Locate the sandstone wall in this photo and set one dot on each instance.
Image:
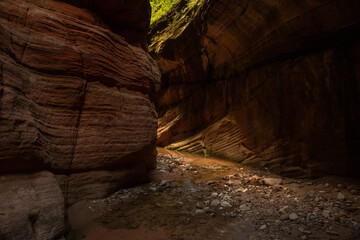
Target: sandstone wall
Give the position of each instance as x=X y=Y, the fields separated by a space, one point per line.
x=75 y=99
x=269 y=83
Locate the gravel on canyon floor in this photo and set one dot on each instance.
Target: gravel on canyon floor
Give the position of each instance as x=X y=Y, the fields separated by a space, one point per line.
x=193 y=197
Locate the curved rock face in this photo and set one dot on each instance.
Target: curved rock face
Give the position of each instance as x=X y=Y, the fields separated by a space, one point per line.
x=75 y=99
x=269 y=83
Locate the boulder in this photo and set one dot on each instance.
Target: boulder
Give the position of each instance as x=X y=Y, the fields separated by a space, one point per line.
x=76 y=99
x=32 y=207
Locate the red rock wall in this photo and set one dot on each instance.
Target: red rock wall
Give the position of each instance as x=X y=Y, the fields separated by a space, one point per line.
x=269 y=83
x=75 y=99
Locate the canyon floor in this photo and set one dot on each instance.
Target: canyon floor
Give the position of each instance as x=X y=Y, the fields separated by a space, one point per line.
x=193 y=197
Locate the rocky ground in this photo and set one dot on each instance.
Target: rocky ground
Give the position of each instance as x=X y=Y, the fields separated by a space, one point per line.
x=193 y=197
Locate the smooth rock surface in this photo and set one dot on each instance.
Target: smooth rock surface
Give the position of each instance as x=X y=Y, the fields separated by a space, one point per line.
x=32 y=207
x=268 y=83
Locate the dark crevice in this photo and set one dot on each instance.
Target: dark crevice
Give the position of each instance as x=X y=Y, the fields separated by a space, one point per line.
x=2 y=84
x=78 y=121
x=32 y=220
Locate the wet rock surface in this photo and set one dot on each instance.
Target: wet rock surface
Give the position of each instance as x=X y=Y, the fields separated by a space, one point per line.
x=191 y=197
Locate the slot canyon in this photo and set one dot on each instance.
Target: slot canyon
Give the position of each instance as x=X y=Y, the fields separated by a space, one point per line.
x=179 y=119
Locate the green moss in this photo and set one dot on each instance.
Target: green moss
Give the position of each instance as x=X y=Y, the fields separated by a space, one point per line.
x=161 y=7
x=169 y=19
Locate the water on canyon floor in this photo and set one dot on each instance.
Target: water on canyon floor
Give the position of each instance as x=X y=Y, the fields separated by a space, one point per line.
x=193 y=197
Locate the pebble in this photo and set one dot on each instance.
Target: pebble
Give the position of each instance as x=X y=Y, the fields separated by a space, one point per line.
x=215 y=203
x=165 y=183
x=284 y=209
x=214 y=194
x=263 y=227
x=245 y=207
x=232 y=215
x=199 y=211
x=225 y=204
x=273 y=181
x=303 y=230
x=254 y=179
x=199 y=205
x=241 y=190
x=341 y=196
x=226 y=197
x=293 y=216
x=325 y=214
x=188 y=167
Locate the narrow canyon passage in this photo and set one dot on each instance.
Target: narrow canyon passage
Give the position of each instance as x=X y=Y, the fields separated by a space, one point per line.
x=193 y=197
x=179 y=119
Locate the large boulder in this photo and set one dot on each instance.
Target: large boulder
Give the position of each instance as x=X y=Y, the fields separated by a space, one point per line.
x=269 y=83
x=76 y=99
x=32 y=207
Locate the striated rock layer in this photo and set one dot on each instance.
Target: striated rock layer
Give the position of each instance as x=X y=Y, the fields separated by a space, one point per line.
x=268 y=83
x=75 y=99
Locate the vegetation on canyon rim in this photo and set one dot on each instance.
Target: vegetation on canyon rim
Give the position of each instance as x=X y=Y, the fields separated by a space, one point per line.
x=169 y=19
x=160 y=7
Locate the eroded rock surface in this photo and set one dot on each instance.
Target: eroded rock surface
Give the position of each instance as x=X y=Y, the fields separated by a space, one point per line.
x=32 y=207
x=269 y=83
x=75 y=99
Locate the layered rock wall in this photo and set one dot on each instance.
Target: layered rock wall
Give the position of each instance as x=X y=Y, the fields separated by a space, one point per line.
x=75 y=99
x=269 y=83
